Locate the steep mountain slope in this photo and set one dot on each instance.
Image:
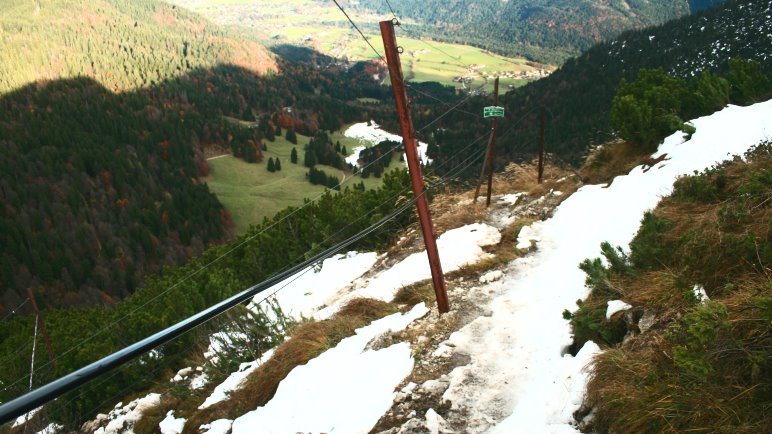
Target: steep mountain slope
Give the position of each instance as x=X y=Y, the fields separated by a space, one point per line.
x=578 y=96
x=542 y=30
x=100 y=174
x=120 y=44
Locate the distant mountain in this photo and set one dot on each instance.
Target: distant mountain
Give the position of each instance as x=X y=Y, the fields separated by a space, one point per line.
x=544 y=30
x=578 y=95
x=121 y=44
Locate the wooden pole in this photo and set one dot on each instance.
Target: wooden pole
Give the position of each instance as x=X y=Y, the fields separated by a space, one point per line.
x=489 y=153
x=484 y=167
x=541 y=147
x=492 y=156
x=411 y=155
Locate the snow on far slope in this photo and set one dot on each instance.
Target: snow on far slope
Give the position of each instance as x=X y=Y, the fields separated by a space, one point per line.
x=345 y=390
x=519 y=380
x=374 y=134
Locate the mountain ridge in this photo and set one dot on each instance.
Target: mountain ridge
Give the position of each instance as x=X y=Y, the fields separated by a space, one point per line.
x=123 y=45
x=542 y=30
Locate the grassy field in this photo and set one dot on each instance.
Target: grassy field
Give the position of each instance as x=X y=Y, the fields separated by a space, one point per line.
x=321 y=26
x=250 y=192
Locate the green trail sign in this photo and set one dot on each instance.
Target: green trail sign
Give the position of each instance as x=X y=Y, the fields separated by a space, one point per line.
x=493 y=112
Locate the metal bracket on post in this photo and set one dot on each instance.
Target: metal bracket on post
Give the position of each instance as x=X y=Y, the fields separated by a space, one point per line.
x=414 y=166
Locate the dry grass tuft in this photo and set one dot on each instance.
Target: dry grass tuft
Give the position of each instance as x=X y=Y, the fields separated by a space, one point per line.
x=414 y=294
x=611 y=160
x=307 y=341
x=453 y=210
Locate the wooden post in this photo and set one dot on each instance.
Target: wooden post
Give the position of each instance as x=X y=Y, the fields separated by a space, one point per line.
x=411 y=155
x=484 y=167
x=49 y=347
x=490 y=153
x=541 y=147
x=492 y=156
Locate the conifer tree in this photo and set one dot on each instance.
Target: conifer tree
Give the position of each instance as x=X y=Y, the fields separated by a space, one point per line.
x=291 y=137
x=309 y=160
x=294 y=155
x=277 y=166
x=271 y=165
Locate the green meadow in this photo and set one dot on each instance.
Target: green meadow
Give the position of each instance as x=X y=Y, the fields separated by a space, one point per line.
x=251 y=193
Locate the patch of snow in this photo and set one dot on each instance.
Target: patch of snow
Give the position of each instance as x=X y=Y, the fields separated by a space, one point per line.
x=434 y=422
x=458 y=247
x=52 y=428
x=303 y=293
x=220 y=426
x=199 y=381
x=491 y=276
x=123 y=418
x=527 y=234
x=353 y=159
x=374 y=134
x=219 y=340
x=517 y=380
x=346 y=389
x=615 y=306
x=700 y=294
x=171 y=425
x=233 y=382
x=21 y=420
x=150 y=357
x=511 y=199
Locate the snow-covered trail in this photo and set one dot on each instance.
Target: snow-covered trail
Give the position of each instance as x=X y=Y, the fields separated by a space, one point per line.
x=519 y=380
x=516 y=377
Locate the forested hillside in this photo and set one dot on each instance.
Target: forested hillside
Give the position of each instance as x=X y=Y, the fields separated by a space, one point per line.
x=548 y=31
x=102 y=186
x=81 y=336
x=578 y=96
x=121 y=44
